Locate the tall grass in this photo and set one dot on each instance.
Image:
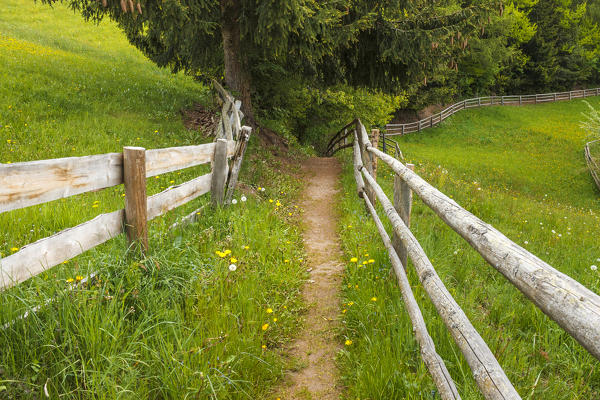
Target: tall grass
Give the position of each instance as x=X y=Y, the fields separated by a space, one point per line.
x=522 y=170
x=180 y=322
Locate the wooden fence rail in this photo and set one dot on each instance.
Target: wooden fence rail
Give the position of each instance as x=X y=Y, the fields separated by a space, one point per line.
x=514 y=100
x=591 y=161
x=574 y=307
x=31 y=183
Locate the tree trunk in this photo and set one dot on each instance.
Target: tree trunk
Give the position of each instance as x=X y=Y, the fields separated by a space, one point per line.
x=237 y=74
x=236 y=70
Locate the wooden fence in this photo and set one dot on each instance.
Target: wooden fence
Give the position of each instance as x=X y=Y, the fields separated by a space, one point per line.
x=591 y=160
x=402 y=129
x=574 y=307
x=30 y=183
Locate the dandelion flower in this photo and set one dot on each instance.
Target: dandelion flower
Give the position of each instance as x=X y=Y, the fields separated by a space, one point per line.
x=269 y=310
x=259 y=189
x=246 y=247
x=70 y=280
x=232 y=267
x=354 y=259
x=373 y=298
x=593 y=267
x=227 y=251
x=220 y=254
x=365 y=262
x=270 y=200
x=344 y=311
x=286 y=261
x=264 y=346
x=350 y=303
x=13 y=249
x=348 y=342
x=278 y=203
x=233 y=259
x=371 y=261
x=243 y=198
x=275 y=319
x=234 y=201
x=265 y=327
x=79 y=278
x=94 y=205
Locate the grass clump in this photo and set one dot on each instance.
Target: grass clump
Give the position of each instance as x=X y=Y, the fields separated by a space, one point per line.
x=520 y=169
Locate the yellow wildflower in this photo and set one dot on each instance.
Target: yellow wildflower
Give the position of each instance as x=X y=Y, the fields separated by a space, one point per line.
x=348 y=342
x=70 y=280
x=365 y=262
x=373 y=298
x=269 y=310
x=79 y=278
x=354 y=259
x=344 y=311
x=286 y=261
x=264 y=346
x=371 y=261
x=275 y=319
x=233 y=259
x=246 y=247
x=270 y=200
x=227 y=251
x=265 y=327
x=278 y=203
x=350 y=303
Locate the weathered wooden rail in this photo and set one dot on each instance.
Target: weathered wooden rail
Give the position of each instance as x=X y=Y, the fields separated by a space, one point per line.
x=30 y=183
x=591 y=161
x=513 y=100
x=574 y=307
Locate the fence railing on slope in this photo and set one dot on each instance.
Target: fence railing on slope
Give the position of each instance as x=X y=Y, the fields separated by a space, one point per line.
x=344 y=139
x=592 y=164
x=31 y=183
x=574 y=307
x=514 y=100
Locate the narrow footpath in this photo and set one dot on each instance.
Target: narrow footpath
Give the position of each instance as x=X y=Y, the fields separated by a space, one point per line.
x=316 y=347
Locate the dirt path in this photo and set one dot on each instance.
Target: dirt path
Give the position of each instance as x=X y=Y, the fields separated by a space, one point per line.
x=316 y=346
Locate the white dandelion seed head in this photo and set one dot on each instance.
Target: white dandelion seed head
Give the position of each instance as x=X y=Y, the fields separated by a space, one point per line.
x=243 y=198
x=232 y=267
x=262 y=189
x=526 y=242
x=234 y=201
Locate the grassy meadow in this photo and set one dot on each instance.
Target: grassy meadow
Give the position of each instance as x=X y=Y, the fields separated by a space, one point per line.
x=523 y=171
x=180 y=322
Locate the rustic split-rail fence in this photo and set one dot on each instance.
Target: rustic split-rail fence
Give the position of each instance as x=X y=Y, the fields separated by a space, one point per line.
x=591 y=160
x=512 y=100
x=573 y=306
x=26 y=184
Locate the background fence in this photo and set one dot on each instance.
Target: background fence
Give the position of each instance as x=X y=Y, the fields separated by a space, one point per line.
x=574 y=307
x=592 y=151
x=402 y=129
x=30 y=183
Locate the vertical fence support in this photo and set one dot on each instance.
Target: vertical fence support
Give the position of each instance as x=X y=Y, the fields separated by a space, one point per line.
x=554 y=96
x=570 y=95
x=375 y=143
x=403 y=205
x=236 y=165
x=520 y=100
x=136 y=202
x=219 y=173
x=403 y=129
x=502 y=100
x=384 y=144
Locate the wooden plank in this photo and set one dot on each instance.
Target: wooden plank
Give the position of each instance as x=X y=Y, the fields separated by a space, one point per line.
x=360 y=184
x=161 y=161
x=178 y=195
x=434 y=363
x=573 y=306
x=134 y=176
x=367 y=159
x=46 y=253
x=219 y=172
x=237 y=163
x=488 y=374
x=29 y=183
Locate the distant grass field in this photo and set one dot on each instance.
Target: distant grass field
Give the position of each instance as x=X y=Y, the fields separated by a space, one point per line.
x=523 y=171
x=177 y=323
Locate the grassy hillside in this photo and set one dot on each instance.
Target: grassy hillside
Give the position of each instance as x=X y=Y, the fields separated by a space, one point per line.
x=177 y=323
x=523 y=171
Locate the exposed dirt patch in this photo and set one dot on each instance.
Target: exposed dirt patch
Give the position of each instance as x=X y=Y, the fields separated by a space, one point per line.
x=316 y=346
x=200 y=118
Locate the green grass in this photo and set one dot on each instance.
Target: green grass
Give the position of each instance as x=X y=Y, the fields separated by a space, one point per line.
x=172 y=325
x=523 y=171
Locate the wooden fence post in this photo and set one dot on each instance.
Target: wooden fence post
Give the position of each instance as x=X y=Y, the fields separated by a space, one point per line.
x=403 y=129
x=237 y=162
x=403 y=205
x=136 y=202
x=520 y=100
x=219 y=173
x=375 y=143
x=570 y=95
x=384 y=144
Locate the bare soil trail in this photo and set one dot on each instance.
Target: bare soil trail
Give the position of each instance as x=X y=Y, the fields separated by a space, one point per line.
x=316 y=346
